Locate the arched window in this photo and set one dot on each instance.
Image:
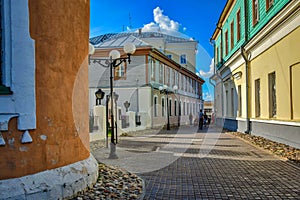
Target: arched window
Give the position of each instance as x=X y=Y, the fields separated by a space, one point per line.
x=155 y=106
x=163 y=107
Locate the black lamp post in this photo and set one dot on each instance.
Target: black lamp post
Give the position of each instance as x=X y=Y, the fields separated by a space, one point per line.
x=175 y=88
x=113 y=61
x=99 y=96
x=164 y=90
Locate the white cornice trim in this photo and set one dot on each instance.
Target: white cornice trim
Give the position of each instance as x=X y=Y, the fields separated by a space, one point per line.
x=289 y=123
x=281 y=25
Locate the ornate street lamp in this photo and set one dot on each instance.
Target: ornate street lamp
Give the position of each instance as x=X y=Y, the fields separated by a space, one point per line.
x=99 y=96
x=113 y=61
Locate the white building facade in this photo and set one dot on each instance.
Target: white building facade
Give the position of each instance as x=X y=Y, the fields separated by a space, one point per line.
x=151 y=67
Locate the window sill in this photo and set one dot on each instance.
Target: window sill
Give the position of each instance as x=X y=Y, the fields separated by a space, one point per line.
x=5 y=90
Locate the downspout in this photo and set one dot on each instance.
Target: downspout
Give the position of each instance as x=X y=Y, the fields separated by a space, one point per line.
x=212 y=42
x=246 y=58
x=222 y=97
x=219 y=76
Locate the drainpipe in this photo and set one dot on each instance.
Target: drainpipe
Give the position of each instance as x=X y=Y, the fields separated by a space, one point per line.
x=246 y=57
x=212 y=42
x=222 y=96
x=219 y=76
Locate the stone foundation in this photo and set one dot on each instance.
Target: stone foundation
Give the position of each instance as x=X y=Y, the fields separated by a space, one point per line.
x=56 y=184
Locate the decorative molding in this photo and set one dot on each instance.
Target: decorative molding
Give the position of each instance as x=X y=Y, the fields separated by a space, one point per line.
x=268 y=121
x=19 y=66
x=4 y=120
x=59 y=183
x=280 y=26
x=26 y=137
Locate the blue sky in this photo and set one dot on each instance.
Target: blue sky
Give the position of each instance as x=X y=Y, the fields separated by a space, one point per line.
x=195 y=18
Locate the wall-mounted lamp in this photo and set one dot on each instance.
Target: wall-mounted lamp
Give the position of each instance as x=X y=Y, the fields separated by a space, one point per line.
x=237 y=75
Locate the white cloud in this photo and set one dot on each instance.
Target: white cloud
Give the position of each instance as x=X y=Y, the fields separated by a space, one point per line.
x=210 y=72
x=207 y=96
x=164 y=24
x=164 y=21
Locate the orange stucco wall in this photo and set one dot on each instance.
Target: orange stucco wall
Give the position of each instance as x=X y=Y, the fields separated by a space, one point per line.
x=60 y=29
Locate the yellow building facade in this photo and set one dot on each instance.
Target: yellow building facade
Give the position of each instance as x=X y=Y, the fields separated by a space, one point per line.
x=257 y=75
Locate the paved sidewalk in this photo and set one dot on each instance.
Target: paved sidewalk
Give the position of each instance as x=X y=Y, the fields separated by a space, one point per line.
x=205 y=165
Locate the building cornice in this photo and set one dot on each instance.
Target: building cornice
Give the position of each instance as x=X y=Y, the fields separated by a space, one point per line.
x=148 y=50
x=222 y=18
x=271 y=33
x=287 y=20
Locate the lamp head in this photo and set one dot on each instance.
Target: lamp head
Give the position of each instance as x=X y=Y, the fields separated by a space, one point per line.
x=91 y=49
x=99 y=94
x=129 y=48
x=114 y=54
x=175 y=87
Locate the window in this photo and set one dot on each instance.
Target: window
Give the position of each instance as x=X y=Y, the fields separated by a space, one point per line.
x=155 y=106
x=187 y=108
x=179 y=110
x=191 y=84
x=120 y=71
x=272 y=95
x=194 y=108
x=153 y=70
x=257 y=97
x=255 y=12
x=221 y=49
x=161 y=73
x=162 y=107
x=168 y=76
x=231 y=35
x=182 y=82
x=269 y=4
x=14 y=28
x=238 y=25
x=175 y=108
x=169 y=56
x=226 y=43
x=240 y=100
x=174 y=77
x=217 y=55
x=183 y=59
x=227 y=104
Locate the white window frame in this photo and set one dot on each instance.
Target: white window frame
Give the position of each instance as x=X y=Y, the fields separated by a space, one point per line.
x=17 y=61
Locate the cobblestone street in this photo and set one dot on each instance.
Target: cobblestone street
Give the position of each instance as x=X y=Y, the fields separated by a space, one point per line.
x=205 y=165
